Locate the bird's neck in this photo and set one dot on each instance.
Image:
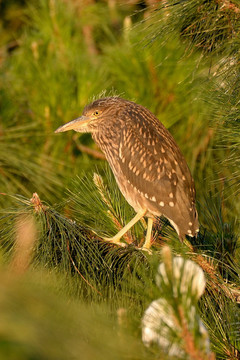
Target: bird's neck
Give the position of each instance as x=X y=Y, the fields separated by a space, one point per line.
x=107 y=139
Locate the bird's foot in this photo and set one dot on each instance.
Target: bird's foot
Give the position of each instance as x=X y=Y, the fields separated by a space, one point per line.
x=114 y=240
x=143 y=248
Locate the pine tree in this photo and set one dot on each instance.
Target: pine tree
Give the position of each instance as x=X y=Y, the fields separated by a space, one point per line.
x=58 y=197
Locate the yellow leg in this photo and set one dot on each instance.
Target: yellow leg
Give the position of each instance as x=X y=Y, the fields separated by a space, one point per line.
x=147 y=243
x=116 y=239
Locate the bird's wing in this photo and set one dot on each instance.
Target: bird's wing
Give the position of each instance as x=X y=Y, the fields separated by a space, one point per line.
x=149 y=162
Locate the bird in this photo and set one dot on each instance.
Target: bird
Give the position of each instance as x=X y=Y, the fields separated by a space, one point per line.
x=149 y=168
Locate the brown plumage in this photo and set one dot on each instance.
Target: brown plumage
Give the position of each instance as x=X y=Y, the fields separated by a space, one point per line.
x=149 y=167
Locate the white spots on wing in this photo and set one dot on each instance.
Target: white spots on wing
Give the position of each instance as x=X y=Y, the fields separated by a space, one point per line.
x=171 y=195
x=158 y=170
x=190 y=223
x=171 y=204
x=175 y=183
x=173 y=171
x=165 y=161
x=155 y=151
x=162 y=149
x=146 y=196
x=134 y=169
x=137 y=172
x=150 y=167
x=137 y=190
x=161 y=161
x=161 y=203
x=130 y=165
x=175 y=162
x=191 y=209
x=144 y=163
x=169 y=175
x=189 y=232
x=153 y=198
x=183 y=177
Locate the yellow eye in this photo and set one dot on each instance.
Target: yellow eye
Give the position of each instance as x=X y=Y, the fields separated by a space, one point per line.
x=96 y=113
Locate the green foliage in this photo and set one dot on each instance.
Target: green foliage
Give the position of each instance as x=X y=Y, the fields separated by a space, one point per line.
x=93 y=268
x=90 y=196
x=181 y=60
x=38 y=323
x=208 y=26
x=89 y=269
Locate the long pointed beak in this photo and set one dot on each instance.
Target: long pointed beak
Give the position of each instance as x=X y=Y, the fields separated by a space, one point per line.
x=77 y=124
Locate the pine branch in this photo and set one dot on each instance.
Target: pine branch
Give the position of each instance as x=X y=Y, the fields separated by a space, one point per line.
x=85 y=149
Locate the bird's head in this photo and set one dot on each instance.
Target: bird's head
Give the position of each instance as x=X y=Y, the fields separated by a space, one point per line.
x=94 y=114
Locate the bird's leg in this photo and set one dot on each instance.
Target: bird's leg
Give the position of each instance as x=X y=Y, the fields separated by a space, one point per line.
x=147 y=243
x=116 y=239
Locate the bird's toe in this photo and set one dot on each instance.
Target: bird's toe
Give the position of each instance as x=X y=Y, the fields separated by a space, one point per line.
x=113 y=240
x=143 y=248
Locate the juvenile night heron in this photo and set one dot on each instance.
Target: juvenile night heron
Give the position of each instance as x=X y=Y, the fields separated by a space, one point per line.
x=149 y=167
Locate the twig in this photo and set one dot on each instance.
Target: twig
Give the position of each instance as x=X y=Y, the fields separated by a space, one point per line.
x=38 y=205
x=94 y=153
x=189 y=345
x=75 y=267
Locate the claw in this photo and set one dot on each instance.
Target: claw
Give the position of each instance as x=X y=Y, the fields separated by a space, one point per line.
x=146 y=249
x=113 y=240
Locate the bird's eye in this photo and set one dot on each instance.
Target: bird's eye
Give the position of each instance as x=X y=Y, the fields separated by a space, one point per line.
x=96 y=113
